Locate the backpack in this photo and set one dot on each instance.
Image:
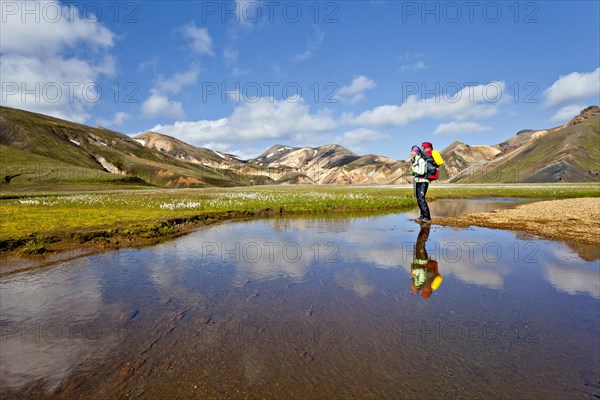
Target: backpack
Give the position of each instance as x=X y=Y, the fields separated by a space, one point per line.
x=434 y=160
x=432 y=169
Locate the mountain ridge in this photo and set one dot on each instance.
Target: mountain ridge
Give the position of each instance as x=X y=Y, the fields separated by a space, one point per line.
x=566 y=153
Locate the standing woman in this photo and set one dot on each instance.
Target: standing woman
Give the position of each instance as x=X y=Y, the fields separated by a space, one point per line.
x=419 y=171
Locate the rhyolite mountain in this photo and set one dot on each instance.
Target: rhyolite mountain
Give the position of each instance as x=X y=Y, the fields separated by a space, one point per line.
x=568 y=153
x=37 y=148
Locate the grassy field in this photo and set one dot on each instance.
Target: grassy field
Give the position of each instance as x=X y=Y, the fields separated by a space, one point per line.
x=32 y=222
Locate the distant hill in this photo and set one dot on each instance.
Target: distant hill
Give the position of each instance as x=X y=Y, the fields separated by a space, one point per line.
x=35 y=148
x=332 y=164
x=95 y=154
x=569 y=153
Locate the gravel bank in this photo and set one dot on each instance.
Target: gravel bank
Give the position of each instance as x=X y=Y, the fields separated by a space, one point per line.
x=576 y=220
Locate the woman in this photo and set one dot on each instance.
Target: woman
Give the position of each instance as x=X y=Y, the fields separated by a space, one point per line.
x=419 y=171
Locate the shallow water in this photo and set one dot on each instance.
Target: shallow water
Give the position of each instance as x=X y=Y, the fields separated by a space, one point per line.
x=309 y=308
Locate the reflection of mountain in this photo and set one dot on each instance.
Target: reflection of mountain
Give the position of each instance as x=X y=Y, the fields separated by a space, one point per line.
x=573 y=280
x=586 y=252
x=60 y=329
x=456 y=207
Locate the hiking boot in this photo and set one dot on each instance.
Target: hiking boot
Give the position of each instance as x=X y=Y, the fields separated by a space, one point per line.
x=424 y=220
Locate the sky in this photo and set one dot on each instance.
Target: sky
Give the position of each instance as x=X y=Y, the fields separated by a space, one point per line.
x=241 y=76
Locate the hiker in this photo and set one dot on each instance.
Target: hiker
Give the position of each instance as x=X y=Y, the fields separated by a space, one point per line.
x=424 y=274
x=421 y=183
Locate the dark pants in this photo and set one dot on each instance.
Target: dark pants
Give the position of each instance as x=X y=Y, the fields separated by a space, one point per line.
x=421 y=190
x=420 y=251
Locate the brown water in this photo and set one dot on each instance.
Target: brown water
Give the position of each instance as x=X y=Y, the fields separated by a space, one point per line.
x=308 y=308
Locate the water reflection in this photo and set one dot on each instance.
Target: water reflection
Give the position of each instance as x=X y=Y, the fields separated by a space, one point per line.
x=425 y=277
x=308 y=307
x=49 y=323
x=455 y=207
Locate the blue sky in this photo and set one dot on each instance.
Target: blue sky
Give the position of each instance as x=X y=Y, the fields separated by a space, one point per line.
x=240 y=76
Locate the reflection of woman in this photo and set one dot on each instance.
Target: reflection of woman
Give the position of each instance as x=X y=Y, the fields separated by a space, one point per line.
x=424 y=271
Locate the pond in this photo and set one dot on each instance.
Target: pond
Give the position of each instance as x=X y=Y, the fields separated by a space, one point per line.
x=362 y=307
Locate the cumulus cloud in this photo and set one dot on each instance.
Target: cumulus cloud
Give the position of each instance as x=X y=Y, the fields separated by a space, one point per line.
x=360 y=136
x=461 y=127
x=59 y=28
x=200 y=40
x=175 y=83
x=250 y=122
x=566 y=113
x=479 y=101
x=158 y=104
x=355 y=92
x=52 y=65
x=575 y=86
x=118 y=119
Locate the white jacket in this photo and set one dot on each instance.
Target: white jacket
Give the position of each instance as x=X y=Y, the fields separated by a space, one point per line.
x=419 y=169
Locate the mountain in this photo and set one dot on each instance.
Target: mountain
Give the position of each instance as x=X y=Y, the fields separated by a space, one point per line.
x=38 y=149
x=569 y=153
x=332 y=164
x=183 y=151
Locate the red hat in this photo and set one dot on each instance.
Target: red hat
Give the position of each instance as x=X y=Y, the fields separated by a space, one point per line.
x=427 y=144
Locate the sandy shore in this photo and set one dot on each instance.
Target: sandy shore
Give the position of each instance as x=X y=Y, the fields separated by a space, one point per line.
x=575 y=220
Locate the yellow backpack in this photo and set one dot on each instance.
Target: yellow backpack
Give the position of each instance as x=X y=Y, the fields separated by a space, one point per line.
x=437 y=157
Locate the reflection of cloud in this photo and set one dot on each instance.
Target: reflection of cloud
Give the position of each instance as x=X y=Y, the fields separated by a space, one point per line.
x=265 y=258
x=458 y=253
x=353 y=280
x=573 y=279
x=256 y=249
x=49 y=326
x=475 y=274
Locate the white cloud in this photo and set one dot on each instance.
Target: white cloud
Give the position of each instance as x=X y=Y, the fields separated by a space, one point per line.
x=60 y=27
x=566 y=113
x=251 y=122
x=118 y=119
x=360 y=136
x=53 y=65
x=201 y=42
x=575 y=86
x=411 y=62
x=461 y=127
x=479 y=101
x=313 y=45
x=175 y=83
x=158 y=105
x=355 y=92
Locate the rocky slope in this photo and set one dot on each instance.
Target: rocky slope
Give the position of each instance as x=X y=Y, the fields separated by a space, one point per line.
x=568 y=153
x=70 y=152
